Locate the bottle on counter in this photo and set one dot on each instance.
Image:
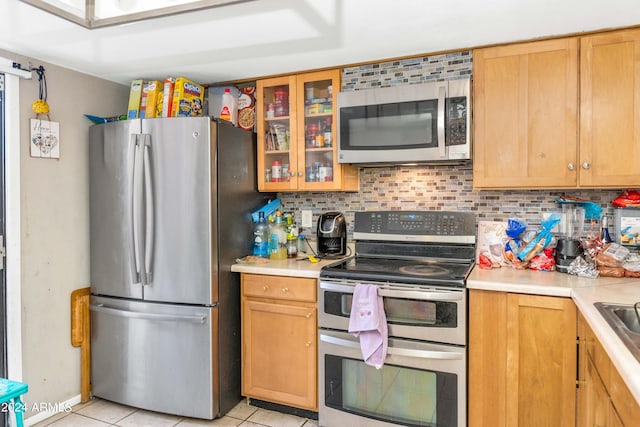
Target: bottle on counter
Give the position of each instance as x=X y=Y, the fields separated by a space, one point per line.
x=292 y=246
x=604 y=231
x=278 y=239
x=261 y=237
x=302 y=247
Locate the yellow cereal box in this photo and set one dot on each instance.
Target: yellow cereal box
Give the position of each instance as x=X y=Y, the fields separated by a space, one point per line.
x=154 y=89
x=134 y=99
x=188 y=98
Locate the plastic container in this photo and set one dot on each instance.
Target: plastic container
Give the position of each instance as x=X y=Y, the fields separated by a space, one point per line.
x=229 y=109
x=281 y=101
x=276 y=171
x=292 y=247
x=312 y=132
x=278 y=240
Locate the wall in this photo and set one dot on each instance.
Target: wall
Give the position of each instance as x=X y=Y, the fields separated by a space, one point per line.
x=55 y=226
x=430 y=187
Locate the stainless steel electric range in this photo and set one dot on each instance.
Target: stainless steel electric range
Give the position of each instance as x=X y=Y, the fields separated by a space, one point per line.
x=420 y=261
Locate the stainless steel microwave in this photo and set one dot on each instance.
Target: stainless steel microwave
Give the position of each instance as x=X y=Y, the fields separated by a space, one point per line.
x=409 y=124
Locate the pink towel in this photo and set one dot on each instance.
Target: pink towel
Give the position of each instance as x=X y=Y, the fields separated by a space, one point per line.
x=369 y=322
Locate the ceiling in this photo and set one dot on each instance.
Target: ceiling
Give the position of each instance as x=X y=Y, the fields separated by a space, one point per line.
x=265 y=37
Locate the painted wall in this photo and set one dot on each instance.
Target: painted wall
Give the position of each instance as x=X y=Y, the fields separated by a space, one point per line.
x=55 y=226
x=430 y=187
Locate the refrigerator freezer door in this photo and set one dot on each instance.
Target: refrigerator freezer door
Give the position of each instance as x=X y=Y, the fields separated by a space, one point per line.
x=178 y=182
x=155 y=356
x=112 y=155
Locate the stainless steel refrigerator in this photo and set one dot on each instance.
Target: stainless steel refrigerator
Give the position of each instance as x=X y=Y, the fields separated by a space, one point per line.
x=170 y=202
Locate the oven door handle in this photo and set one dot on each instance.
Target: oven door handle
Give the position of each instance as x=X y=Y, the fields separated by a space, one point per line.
x=421 y=295
x=396 y=351
x=397 y=293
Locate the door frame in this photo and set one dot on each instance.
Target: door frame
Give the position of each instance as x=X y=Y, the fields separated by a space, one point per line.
x=12 y=217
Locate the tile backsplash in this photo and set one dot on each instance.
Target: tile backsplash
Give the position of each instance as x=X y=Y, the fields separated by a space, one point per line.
x=438 y=188
x=430 y=187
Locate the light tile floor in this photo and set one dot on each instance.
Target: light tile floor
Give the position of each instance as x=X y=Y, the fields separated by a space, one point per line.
x=101 y=413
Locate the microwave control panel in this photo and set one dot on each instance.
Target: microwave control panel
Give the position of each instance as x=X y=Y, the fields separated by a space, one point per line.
x=456 y=129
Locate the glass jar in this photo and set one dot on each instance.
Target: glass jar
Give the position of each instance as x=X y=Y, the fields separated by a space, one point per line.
x=292 y=247
x=276 y=171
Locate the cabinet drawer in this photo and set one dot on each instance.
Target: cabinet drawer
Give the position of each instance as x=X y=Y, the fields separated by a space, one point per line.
x=279 y=287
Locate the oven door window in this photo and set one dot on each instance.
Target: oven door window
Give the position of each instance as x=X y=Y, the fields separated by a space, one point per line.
x=400 y=125
x=400 y=311
x=396 y=394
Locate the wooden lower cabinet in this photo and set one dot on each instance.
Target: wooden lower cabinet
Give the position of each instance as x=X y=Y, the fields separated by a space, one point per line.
x=522 y=360
x=603 y=398
x=279 y=336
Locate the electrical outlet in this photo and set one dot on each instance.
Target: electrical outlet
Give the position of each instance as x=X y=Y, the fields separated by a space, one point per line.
x=307 y=219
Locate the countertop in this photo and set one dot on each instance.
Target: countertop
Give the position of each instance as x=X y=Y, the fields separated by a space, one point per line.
x=584 y=292
x=286 y=267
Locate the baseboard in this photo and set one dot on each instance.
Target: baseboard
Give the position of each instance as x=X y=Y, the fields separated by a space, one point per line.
x=303 y=413
x=49 y=410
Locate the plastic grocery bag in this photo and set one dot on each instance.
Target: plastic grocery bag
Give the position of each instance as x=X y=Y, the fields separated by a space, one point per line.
x=541 y=240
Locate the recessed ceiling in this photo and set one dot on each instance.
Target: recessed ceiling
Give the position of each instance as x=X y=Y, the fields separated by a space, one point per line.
x=266 y=37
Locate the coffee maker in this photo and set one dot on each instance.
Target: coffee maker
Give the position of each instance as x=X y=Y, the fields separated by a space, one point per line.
x=571 y=230
x=332 y=235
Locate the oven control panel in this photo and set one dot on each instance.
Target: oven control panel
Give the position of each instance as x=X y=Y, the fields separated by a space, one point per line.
x=436 y=226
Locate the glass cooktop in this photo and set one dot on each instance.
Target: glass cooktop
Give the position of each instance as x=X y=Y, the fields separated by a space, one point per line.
x=400 y=270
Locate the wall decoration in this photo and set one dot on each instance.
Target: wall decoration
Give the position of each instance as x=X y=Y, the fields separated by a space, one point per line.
x=45 y=139
x=45 y=134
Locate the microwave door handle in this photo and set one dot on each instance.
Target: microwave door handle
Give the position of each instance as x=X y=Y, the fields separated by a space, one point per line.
x=421 y=295
x=396 y=351
x=442 y=94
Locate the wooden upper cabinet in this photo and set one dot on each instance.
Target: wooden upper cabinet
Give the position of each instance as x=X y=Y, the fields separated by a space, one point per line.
x=610 y=109
x=297 y=134
x=525 y=115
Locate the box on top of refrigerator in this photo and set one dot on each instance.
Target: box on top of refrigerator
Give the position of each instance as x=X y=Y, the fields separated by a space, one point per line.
x=135 y=94
x=188 y=98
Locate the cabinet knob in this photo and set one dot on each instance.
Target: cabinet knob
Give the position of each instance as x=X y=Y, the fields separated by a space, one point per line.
x=285 y=290
x=308 y=316
x=299 y=173
x=586 y=165
x=571 y=166
x=265 y=288
x=308 y=344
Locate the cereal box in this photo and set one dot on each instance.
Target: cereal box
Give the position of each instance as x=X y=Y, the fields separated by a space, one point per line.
x=134 y=99
x=167 y=101
x=154 y=89
x=188 y=97
x=143 y=100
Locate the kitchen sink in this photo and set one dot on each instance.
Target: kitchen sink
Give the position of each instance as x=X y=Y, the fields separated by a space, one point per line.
x=624 y=321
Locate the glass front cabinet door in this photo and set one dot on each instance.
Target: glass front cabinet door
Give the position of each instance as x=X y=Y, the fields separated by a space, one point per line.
x=297 y=134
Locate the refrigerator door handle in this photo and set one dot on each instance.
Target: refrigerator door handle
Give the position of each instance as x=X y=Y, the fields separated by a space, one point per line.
x=149 y=212
x=135 y=181
x=101 y=308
